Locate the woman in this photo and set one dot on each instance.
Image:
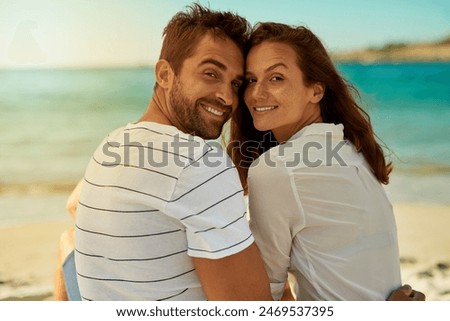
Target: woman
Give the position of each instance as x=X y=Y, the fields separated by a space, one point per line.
x=317 y=206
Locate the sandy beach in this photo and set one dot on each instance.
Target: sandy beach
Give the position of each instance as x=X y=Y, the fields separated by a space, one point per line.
x=28 y=254
x=28 y=258
x=424 y=242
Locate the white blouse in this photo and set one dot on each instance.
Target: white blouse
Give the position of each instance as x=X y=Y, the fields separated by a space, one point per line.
x=318 y=212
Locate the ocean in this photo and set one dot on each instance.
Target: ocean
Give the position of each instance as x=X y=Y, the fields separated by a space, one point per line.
x=51 y=121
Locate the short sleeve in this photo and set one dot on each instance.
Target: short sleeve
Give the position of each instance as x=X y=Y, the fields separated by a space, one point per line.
x=208 y=200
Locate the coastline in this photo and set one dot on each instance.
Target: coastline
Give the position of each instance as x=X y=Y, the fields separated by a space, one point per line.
x=397 y=53
x=29 y=251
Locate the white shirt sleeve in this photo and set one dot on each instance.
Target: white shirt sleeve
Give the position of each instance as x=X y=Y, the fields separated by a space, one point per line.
x=274 y=219
x=208 y=200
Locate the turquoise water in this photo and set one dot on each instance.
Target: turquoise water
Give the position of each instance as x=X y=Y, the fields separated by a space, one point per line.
x=52 y=120
x=410 y=108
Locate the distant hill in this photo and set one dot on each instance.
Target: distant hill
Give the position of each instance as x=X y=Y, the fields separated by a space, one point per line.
x=399 y=52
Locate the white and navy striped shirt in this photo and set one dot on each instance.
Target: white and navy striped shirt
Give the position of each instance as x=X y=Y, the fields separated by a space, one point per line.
x=153 y=197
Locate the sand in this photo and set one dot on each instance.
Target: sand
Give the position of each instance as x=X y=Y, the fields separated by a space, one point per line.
x=424 y=242
x=28 y=254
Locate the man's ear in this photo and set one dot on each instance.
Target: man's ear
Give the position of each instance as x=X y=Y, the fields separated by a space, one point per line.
x=319 y=91
x=163 y=73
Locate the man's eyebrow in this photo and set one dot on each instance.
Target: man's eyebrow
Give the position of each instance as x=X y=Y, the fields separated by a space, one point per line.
x=214 y=62
x=220 y=65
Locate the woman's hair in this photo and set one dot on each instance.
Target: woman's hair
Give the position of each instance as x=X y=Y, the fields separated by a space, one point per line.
x=185 y=29
x=337 y=106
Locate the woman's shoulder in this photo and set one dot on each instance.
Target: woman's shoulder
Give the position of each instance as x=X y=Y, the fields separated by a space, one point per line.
x=314 y=146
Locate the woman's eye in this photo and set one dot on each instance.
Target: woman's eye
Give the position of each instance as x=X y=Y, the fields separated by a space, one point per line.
x=250 y=81
x=276 y=78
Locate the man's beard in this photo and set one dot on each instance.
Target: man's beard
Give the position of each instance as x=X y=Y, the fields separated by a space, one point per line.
x=189 y=112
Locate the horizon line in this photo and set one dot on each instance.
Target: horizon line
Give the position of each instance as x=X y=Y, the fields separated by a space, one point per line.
x=151 y=64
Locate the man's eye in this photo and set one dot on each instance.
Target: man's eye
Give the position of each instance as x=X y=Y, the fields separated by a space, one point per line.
x=276 y=78
x=211 y=74
x=250 y=81
x=236 y=84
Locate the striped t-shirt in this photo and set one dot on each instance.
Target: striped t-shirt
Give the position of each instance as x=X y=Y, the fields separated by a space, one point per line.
x=153 y=197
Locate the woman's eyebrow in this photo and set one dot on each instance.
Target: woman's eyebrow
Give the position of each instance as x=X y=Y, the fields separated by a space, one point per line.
x=270 y=68
x=275 y=66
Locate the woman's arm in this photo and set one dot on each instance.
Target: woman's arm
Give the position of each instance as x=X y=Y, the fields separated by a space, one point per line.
x=274 y=215
x=72 y=201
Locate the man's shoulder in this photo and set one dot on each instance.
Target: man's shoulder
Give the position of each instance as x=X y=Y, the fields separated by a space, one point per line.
x=166 y=144
x=209 y=156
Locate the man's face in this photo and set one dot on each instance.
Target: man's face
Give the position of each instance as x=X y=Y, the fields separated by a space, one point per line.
x=204 y=94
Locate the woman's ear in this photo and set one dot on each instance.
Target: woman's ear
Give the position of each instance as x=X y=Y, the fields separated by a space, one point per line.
x=319 y=91
x=163 y=73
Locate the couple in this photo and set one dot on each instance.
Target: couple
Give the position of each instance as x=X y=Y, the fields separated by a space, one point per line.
x=161 y=214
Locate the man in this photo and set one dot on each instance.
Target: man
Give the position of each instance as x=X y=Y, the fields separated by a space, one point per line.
x=161 y=213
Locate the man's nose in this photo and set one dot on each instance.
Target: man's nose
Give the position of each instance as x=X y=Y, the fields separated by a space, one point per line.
x=226 y=95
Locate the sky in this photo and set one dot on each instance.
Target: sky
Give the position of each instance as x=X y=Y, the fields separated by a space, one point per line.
x=106 y=33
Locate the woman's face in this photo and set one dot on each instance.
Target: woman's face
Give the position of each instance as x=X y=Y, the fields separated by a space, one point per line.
x=276 y=94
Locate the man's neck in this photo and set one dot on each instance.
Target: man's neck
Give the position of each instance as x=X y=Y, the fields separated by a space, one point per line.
x=155 y=110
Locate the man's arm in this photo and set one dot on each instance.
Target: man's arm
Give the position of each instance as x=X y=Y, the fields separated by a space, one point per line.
x=238 y=277
x=287 y=295
x=406 y=293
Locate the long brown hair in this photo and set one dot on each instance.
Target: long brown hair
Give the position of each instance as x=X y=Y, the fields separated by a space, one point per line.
x=338 y=105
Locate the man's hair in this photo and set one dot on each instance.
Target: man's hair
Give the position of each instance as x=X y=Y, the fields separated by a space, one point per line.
x=185 y=29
